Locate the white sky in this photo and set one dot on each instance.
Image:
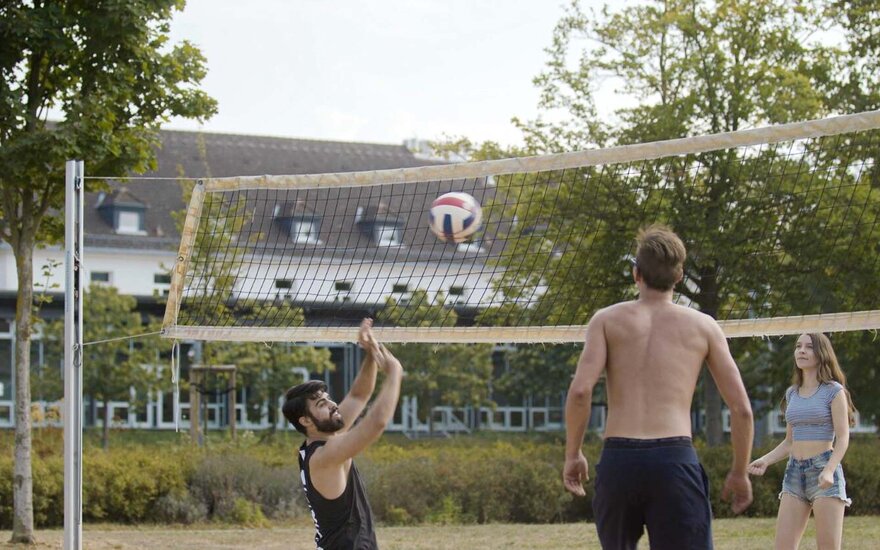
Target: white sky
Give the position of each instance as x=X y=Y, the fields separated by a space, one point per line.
x=370 y=70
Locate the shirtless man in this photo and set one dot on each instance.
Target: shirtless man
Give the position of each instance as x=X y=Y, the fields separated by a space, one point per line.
x=652 y=351
x=333 y=486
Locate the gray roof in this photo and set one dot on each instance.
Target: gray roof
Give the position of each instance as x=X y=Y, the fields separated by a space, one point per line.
x=193 y=155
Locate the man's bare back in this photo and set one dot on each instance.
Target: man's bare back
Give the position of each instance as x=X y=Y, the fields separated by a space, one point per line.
x=655 y=353
x=651 y=352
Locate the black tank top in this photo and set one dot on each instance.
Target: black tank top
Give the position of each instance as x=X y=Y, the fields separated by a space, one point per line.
x=345 y=522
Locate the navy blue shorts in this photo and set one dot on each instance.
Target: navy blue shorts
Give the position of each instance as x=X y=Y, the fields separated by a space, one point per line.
x=653 y=483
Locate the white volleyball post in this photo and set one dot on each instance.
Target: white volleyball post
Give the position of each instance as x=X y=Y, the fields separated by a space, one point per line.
x=73 y=243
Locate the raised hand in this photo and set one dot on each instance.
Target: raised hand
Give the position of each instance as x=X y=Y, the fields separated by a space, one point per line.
x=387 y=360
x=366 y=339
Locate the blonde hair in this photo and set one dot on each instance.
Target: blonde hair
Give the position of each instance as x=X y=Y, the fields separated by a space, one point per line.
x=829 y=370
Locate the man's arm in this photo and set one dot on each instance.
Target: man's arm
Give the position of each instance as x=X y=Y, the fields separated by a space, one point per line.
x=579 y=402
x=364 y=383
x=727 y=377
x=346 y=445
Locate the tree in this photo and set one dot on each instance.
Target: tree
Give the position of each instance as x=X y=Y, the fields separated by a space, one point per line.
x=692 y=68
x=114 y=368
x=454 y=374
x=267 y=370
x=109 y=69
x=539 y=370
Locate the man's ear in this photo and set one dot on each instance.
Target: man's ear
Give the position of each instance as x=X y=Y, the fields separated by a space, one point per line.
x=306 y=422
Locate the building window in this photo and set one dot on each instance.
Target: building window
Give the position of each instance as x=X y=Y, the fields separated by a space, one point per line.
x=283 y=284
x=100 y=276
x=388 y=235
x=400 y=288
x=162 y=278
x=304 y=231
x=456 y=291
x=128 y=222
x=343 y=286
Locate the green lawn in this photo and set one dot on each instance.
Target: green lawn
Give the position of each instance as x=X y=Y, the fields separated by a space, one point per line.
x=730 y=534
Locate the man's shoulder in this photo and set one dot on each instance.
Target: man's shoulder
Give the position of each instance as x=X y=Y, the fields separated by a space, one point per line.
x=620 y=308
x=633 y=306
x=696 y=316
x=311 y=450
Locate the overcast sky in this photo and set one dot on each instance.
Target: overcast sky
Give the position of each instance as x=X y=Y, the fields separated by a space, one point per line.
x=370 y=70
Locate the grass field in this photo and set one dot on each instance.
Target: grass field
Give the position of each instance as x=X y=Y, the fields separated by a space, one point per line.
x=730 y=534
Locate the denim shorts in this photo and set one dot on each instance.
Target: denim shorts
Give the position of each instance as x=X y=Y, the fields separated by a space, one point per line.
x=802 y=479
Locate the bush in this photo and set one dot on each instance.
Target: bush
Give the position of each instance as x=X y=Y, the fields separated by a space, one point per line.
x=521 y=482
x=498 y=482
x=247 y=513
x=179 y=507
x=125 y=485
x=478 y=479
x=220 y=481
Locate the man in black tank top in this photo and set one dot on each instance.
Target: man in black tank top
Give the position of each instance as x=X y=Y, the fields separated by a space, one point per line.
x=333 y=486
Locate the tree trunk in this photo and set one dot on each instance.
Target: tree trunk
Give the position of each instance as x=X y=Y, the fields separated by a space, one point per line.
x=105 y=431
x=708 y=301
x=22 y=476
x=712 y=402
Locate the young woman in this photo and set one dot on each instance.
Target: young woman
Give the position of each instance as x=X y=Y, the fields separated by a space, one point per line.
x=818 y=412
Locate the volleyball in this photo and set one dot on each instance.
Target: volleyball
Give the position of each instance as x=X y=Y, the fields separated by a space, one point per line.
x=454 y=217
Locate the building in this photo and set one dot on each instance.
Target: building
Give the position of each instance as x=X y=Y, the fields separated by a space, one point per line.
x=131 y=241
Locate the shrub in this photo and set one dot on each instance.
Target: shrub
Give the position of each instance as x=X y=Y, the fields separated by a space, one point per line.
x=221 y=480
x=499 y=482
x=247 y=513
x=179 y=507
x=125 y=485
x=477 y=479
x=521 y=482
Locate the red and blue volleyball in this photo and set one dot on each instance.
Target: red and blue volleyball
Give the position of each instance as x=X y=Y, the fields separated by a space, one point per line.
x=455 y=217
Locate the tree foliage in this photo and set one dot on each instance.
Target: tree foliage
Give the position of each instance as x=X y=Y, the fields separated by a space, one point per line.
x=114 y=368
x=538 y=370
x=267 y=369
x=109 y=71
x=763 y=240
x=449 y=374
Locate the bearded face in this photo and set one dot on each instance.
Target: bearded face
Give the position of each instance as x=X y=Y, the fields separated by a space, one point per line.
x=329 y=424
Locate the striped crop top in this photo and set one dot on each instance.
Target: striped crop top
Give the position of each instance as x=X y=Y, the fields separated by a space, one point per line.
x=810 y=417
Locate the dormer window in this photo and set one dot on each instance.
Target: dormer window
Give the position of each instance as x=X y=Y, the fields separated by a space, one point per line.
x=299 y=221
x=388 y=235
x=130 y=222
x=305 y=230
x=123 y=211
x=379 y=224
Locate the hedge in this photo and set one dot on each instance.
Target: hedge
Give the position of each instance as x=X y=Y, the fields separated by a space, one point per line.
x=473 y=479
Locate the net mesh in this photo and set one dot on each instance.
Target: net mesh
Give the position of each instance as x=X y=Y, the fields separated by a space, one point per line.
x=781 y=226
